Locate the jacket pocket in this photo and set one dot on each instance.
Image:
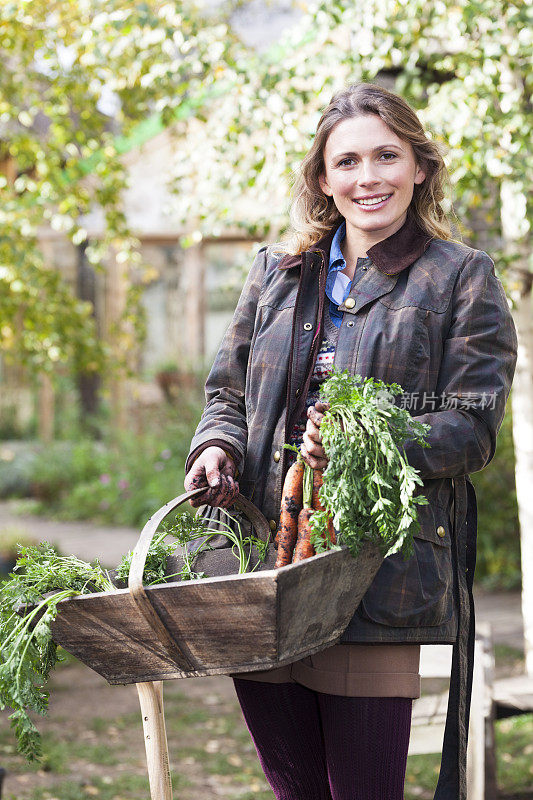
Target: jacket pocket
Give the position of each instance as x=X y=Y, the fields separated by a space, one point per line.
x=417 y=592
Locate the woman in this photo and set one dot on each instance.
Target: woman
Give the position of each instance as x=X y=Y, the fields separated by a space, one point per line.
x=371 y=280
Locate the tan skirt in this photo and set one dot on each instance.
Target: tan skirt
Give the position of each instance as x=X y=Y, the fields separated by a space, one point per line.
x=353 y=670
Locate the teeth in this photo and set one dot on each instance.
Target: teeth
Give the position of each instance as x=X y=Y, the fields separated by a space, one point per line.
x=372 y=201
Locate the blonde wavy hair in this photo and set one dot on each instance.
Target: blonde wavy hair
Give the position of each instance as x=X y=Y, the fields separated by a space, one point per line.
x=313 y=214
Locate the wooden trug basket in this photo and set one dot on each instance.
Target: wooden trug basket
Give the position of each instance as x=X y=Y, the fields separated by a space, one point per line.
x=231 y=624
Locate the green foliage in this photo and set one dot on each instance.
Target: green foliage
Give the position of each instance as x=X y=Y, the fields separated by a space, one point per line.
x=498 y=542
x=16 y=468
x=27 y=650
x=513 y=750
x=368 y=486
x=120 y=479
x=242 y=122
x=187 y=529
x=458 y=61
x=58 y=64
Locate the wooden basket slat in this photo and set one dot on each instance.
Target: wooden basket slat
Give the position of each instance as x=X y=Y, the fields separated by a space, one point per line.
x=317 y=603
x=230 y=624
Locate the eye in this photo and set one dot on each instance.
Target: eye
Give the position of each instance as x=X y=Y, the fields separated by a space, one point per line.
x=345 y=162
x=388 y=156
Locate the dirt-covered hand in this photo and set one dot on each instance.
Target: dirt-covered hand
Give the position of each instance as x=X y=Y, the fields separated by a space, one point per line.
x=312 y=451
x=215 y=470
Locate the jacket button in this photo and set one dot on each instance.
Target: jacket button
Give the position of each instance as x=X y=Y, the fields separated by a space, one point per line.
x=349 y=302
x=441 y=532
x=277 y=456
x=308 y=326
x=272 y=524
x=350 y=324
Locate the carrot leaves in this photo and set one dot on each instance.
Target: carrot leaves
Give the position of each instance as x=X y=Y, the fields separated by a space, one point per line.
x=27 y=651
x=369 y=487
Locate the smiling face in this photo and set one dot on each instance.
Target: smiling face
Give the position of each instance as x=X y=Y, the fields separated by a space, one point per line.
x=370 y=174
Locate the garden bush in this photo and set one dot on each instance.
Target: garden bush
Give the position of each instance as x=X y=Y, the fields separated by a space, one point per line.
x=121 y=478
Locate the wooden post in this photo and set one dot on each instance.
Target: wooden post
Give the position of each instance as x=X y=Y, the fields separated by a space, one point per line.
x=116 y=290
x=46 y=408
x=88 y=382
x=155 y=739
x=475 y=774
x=491 y=784
x=481 y=761
x=193 y=343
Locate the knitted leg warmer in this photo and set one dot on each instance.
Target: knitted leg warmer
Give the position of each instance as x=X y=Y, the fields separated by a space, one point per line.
x=366 y=741
x=284 y=723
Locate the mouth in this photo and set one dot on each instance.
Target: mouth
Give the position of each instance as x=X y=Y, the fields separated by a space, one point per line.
x=377 y=201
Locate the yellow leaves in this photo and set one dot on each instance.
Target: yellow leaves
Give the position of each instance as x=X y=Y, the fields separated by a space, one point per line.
x=150 y=274
x=8 y=337
x=25 y=119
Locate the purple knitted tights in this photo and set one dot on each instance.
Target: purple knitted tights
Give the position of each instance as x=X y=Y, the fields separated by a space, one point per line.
x=315 y=746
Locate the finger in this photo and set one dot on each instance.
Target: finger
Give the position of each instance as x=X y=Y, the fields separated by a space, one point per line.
x=231 y=490
x=235 y=488
x=312 y=431
x=222 y=495
x=228 y=468
x=316 y=463
x=313 y=446
x=196 y=479
x=314 y=415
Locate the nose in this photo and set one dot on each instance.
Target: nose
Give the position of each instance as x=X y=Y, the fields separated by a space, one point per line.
x=367 y=173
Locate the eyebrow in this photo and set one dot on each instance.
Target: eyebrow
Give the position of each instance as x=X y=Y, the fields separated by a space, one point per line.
x=374 y=150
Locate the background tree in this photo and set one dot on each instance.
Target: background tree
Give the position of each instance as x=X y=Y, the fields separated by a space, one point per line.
x=74 y=76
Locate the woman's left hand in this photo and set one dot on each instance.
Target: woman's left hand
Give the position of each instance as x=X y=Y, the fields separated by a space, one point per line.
x=312 y=451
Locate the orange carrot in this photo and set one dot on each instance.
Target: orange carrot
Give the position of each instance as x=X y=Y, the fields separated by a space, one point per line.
x=317 y=483
x=304 y=549
x=291 y=505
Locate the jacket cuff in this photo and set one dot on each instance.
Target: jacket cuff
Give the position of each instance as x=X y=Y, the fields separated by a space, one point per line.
x=228 y=449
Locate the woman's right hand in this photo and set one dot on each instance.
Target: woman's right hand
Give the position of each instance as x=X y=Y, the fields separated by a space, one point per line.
x=215 y=470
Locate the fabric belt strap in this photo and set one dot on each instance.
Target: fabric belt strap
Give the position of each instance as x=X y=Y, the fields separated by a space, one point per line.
x=452 y=778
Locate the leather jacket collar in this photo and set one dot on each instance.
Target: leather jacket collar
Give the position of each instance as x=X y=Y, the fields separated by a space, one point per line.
x=391 y=256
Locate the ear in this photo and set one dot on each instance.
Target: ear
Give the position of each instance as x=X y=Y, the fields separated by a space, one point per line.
x=420 y=175
x=324 y=185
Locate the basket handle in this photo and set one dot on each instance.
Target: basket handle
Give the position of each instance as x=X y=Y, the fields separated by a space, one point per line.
x=176 y=648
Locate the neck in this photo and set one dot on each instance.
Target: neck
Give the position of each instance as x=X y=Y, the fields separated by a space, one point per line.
x=357 y=242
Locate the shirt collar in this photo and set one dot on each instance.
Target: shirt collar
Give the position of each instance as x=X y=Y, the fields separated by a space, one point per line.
x=336 y=258
x=390 y=256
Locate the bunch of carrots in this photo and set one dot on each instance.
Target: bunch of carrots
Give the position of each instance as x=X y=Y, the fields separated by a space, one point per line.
x=300 y=499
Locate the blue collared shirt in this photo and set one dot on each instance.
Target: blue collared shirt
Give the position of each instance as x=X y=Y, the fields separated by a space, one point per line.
x=338 y=284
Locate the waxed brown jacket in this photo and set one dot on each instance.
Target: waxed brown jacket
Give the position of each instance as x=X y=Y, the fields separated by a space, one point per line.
x=432 y=316
x=438 y=325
